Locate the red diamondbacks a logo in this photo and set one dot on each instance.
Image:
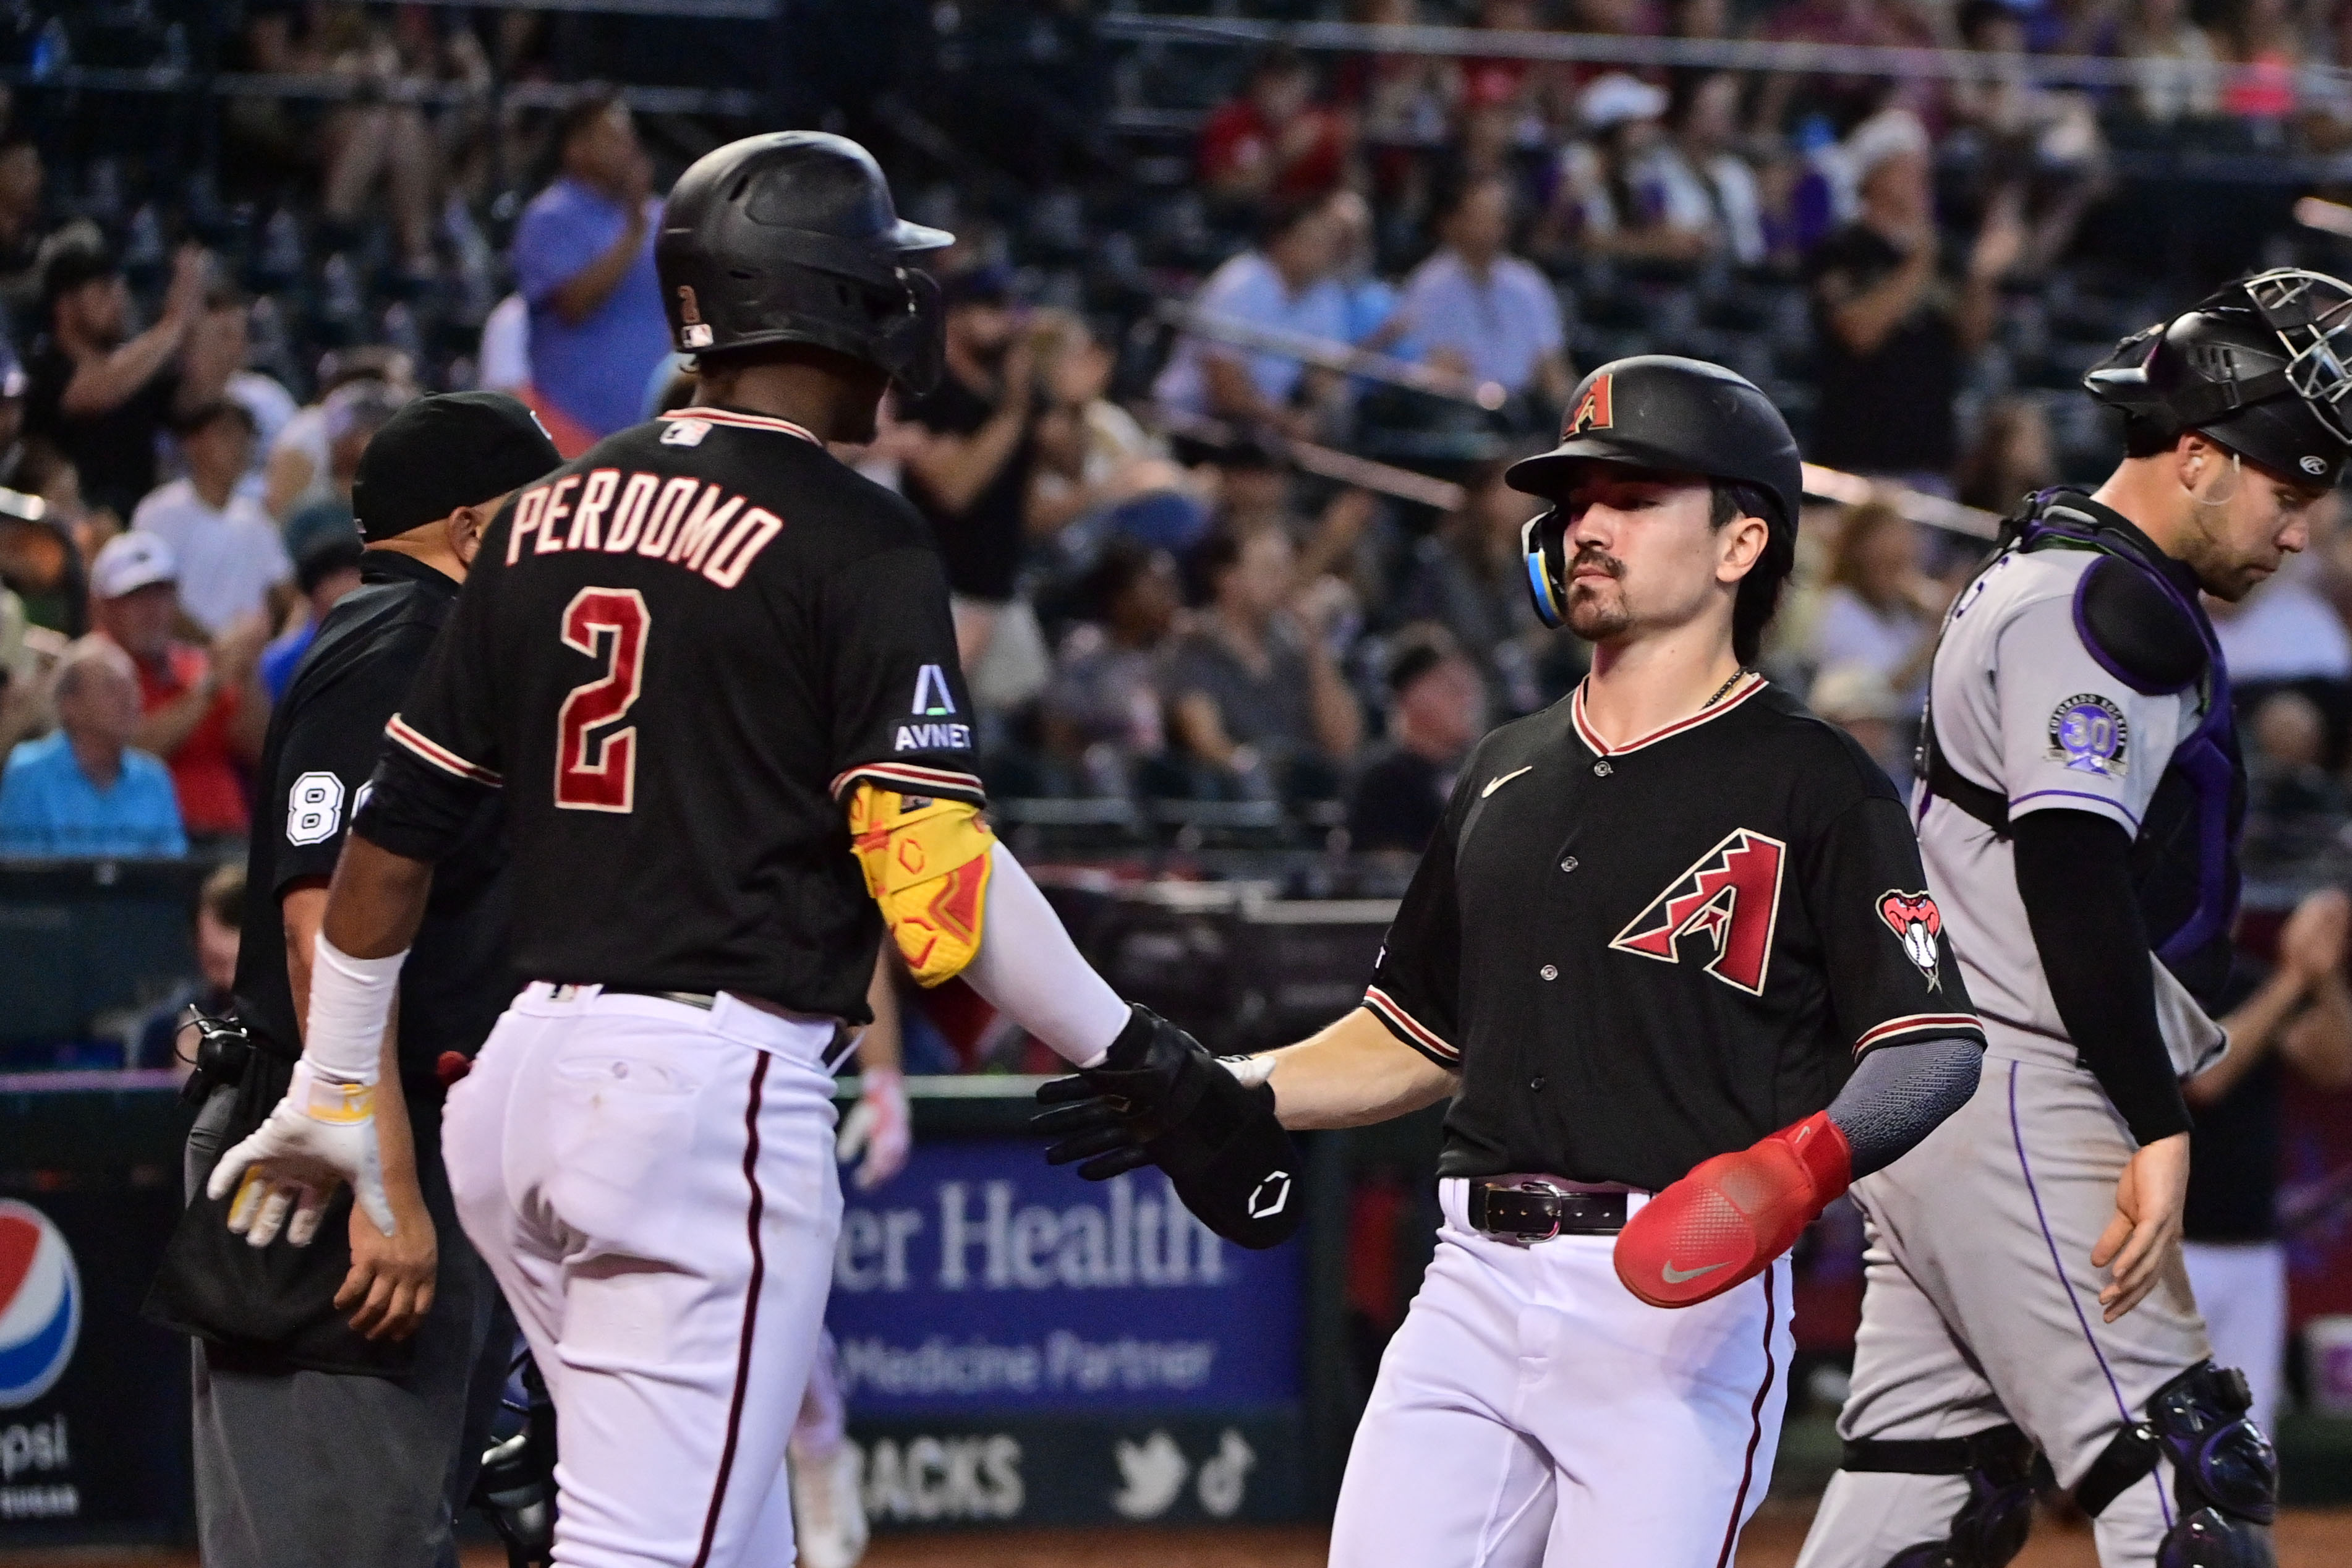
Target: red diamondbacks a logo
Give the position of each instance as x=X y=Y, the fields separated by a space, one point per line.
x=1592 y=410
x=1917 y=922
x=1732 y=895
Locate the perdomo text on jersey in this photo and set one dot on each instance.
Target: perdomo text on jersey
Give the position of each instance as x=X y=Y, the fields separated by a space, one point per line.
x=680 y=520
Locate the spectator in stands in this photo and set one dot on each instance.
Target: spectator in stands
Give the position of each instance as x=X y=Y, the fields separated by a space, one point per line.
x=1470 y=577
x=1856 y=698
x=1893 y=327
x=2011 y=457
x=970 y=470
x=40 y=562
x=220 y=930
x=203 y=713
x=231 y=562
x=1481 y=311
x=1437 y=711
x=2174 y=60
x=2015 y=129
x=1283 y=283
x=2296 y=809
x=20 y=231
x=261 y=396
x=327 y=570
x=82 y=789
x=583 y=254
x=1881 y=611
x=1092 y=454
x=1374 y=323
x=1102 y=713
x=1253 y=695
x=1695 y=180
x=1616 y=180
x=102 y=394
x=2260 y=37
x=300 y=467
x=22 y=708
x=1274 y=142
x=352 y=416
x=2296 y=1015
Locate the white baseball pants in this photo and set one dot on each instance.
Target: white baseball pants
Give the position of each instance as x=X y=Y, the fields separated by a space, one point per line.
x=653 y=1186
x=1531 y=1410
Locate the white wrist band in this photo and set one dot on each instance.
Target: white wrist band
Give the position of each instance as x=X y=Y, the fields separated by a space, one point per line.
x=351 y=1002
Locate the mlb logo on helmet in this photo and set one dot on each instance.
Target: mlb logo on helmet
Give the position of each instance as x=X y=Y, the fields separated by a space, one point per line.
x=40 y=1304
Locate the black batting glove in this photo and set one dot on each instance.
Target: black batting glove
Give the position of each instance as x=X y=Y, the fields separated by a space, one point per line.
x=1154 y=1077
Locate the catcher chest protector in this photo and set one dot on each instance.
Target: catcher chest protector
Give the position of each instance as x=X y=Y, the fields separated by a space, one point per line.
x=2151 y=634
x=791 y=237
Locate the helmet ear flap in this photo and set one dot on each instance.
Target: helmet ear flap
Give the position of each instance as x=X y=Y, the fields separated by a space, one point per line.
x=1543 y=546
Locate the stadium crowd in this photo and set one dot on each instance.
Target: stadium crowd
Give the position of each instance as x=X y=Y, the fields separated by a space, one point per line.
x=1156 y=601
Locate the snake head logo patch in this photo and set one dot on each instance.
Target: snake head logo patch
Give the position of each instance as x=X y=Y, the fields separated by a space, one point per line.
x=1592 y=408
x=1917 y=922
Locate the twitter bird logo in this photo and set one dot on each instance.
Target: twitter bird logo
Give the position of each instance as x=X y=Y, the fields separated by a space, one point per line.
x=1153 y=1471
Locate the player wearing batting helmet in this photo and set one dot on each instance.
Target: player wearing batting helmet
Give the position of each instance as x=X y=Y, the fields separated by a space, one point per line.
x=1672 y=959
x=710 y=674
x=2079 y=816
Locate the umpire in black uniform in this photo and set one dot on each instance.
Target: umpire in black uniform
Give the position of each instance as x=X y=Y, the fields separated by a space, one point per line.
x=344 y=1391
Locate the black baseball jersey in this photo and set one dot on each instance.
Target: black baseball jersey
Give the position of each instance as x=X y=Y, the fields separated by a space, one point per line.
x=323 y=745
x=1642 y=957
x=674 y=656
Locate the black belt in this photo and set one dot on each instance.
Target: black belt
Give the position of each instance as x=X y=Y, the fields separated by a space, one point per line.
x=1522 y=1211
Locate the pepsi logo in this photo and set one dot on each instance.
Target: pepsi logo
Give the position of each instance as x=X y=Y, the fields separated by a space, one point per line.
x=40 y=1304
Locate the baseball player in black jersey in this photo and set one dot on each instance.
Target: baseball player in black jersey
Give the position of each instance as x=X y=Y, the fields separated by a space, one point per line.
x=1662 y=926
x=711 y=674
x=341 y=1391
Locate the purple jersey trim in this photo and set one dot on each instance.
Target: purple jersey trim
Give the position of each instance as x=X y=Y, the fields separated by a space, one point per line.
x=2077 y=794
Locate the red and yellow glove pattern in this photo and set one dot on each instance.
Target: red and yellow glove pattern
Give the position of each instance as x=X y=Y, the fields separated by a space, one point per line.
x=927 y=863
x=1725 y=1223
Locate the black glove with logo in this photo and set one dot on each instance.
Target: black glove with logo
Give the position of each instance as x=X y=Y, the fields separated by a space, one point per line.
x=1161 y=1099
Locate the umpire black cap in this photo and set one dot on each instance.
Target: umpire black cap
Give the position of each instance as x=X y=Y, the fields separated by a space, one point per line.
x=791 y=237
x=2260 y=365
x=1678 y=415
x=440 y=453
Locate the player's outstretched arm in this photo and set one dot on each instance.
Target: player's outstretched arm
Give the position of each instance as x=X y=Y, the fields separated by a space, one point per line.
x=323 y=1132
x=1726 y=1221
x=1350 y=1074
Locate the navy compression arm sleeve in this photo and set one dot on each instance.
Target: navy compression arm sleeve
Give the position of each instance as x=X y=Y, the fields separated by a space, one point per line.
x=2101 y=973
x=1899 y=1094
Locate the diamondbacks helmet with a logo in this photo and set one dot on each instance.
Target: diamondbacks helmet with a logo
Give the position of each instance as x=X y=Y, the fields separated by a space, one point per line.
x=2263 y=366
x=1675 y=414
x=790 y=237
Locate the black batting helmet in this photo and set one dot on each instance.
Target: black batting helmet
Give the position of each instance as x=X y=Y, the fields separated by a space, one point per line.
x=1677 y=415
x=2259 y=365
x=790 y=237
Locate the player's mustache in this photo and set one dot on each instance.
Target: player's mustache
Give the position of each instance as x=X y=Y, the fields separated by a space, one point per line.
x=1600 y=560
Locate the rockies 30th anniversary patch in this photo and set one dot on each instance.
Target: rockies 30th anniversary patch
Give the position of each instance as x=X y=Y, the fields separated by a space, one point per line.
x=2088 y=732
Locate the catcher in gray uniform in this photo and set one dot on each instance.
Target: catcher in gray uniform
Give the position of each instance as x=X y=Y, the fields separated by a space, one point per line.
x=2078 y=810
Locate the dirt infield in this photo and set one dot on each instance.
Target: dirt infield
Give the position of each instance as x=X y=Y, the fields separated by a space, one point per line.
x=2308 y=1538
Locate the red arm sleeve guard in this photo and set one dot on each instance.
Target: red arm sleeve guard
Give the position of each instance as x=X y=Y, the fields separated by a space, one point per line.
x=1726 y=1222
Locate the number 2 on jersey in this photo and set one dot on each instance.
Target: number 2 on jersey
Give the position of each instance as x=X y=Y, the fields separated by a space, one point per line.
x=599 y=772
